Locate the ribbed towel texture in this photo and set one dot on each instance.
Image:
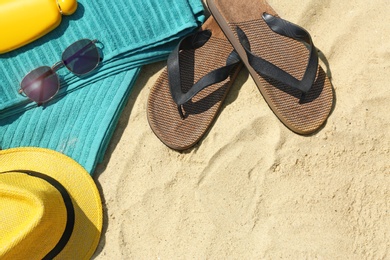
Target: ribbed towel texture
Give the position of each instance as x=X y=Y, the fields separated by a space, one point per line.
x=81 y=118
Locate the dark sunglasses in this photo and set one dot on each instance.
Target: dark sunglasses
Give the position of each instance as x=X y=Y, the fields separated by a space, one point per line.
x=43 y=83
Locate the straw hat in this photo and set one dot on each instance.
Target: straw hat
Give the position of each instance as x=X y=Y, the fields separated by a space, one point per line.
x=49 y=206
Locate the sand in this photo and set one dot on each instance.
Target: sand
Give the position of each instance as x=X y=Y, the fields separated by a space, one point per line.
x=252 y=189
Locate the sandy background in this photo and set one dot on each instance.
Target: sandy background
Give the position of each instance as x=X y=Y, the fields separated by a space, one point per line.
x=252 y=189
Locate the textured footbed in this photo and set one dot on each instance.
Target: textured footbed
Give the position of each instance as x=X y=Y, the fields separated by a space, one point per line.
x=286 y=53
x=163 y=115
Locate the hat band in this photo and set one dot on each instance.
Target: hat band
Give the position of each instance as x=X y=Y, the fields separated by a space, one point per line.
x=69 y=209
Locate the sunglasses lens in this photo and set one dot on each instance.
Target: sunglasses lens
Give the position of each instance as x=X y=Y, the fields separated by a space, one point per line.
x=41 y=84
x=81 y=57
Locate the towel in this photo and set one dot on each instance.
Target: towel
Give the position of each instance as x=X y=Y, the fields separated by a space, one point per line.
x=80 y=119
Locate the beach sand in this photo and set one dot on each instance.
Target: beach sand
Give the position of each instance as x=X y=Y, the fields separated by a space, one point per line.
x=252 y=189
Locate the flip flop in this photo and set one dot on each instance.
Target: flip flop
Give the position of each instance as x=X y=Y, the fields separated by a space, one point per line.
x=188 y=94
x=282 y=60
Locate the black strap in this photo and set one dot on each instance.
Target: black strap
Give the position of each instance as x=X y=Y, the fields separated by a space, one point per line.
x=268 y=69
x=69 y=209
x=195 y=41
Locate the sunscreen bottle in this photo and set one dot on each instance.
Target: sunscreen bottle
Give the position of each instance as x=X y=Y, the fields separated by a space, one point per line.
x=23 y=21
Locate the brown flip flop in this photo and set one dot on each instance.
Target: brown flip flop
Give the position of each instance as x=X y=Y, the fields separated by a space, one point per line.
x=282 y=60
x=188 y=94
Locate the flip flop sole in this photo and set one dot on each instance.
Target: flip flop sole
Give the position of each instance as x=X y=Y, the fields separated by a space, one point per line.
x=284 y=52
x=162 y=112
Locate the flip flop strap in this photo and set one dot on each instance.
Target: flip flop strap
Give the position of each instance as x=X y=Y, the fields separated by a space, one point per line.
x=268 y=69
x=191 y=42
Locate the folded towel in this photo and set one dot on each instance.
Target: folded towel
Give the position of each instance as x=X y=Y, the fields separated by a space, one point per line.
x=80 y=120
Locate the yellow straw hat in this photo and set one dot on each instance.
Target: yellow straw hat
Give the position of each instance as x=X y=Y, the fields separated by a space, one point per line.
x=49 y=206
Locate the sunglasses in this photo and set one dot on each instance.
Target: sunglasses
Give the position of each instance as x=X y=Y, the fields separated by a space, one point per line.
x=43 y=83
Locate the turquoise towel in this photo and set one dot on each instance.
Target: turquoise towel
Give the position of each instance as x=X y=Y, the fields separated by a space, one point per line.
x=81 y=118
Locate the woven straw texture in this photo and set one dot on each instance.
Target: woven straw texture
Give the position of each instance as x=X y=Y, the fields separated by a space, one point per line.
x=31 y=210
x=81 y=188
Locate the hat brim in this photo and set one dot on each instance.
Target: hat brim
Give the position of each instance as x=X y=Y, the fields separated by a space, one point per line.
x=80 y=186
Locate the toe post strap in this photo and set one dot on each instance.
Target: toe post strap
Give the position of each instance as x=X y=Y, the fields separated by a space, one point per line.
x=195 y=41
x=265 y=68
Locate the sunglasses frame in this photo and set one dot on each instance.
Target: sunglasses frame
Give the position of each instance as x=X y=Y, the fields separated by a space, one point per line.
x=58 y=65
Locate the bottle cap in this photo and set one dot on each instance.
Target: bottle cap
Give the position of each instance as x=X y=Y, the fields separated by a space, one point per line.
x=67 y=7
